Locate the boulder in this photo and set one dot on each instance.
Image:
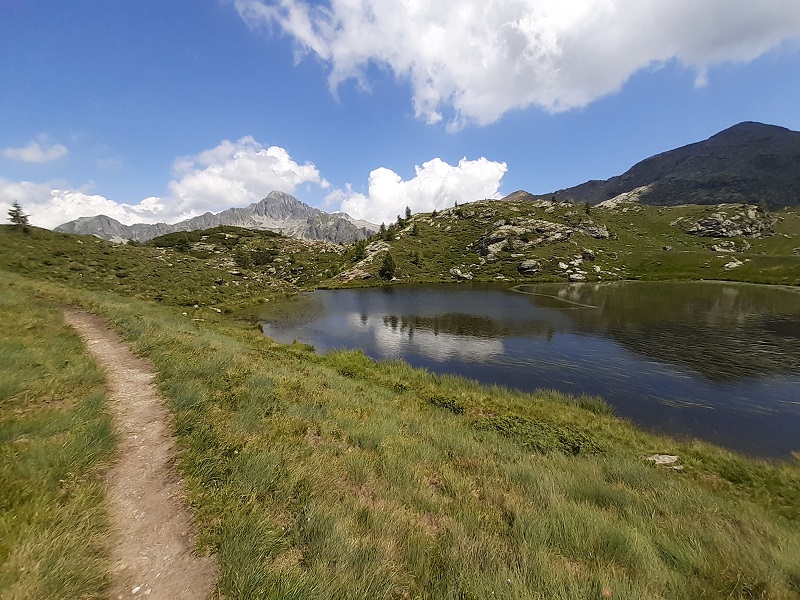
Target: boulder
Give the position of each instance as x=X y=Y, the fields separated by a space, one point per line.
x=588 y=254
x=529 y=267
x=459 y=274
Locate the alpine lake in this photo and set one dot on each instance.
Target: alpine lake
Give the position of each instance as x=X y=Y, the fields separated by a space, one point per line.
x=715 y=361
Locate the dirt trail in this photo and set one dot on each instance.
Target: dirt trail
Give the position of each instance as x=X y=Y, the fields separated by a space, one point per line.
x=153 y=541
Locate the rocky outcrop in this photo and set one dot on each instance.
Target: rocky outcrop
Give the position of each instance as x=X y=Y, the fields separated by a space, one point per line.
x=459 y=274
x=733 y=221
x=519 y=235
x=277 y=212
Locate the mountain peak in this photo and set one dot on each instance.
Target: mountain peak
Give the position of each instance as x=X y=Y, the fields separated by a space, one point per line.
x=278 y=211
x=747 y=163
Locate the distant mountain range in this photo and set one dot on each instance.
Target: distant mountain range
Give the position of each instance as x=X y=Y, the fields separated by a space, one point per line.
x=277 y=212
x=746 y=163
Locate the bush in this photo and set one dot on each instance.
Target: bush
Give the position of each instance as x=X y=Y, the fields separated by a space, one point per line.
x=388 y=267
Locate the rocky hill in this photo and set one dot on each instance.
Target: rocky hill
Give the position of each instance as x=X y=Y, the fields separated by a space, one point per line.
x=277 y=212
x=747 y=163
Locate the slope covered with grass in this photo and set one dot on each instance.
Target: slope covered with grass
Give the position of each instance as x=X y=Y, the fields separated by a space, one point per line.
x=55 y=439
x=338 y=477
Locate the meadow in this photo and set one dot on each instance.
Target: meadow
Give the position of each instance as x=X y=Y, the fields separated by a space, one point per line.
x=335 y=476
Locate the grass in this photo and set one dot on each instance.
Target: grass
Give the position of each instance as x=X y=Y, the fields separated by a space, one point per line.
x=427 y=247
x=55 y=439
x=339 y=477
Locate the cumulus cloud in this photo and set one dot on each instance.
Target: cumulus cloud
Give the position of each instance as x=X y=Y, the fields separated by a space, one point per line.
x=53 y=203
x=435 y=185
x=476 y=60
x=37 y=151
x=233 y=174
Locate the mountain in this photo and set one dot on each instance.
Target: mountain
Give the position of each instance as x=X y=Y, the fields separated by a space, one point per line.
x=277 y=212
x=746 y=163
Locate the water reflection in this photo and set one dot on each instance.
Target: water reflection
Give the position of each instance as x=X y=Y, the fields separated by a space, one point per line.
x=716 y=361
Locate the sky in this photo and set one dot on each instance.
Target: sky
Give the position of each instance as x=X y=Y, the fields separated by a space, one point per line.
x=160 y=110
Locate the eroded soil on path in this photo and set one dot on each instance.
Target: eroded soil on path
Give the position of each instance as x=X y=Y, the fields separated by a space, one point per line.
x=152 y=546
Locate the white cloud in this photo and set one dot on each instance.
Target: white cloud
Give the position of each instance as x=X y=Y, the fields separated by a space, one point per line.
x=482 y=59
x=435 y=185
x=37 y=151
x=233 y=174
x=51 y=204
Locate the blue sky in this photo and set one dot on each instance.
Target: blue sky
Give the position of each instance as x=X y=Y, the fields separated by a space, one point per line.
x=151 y=110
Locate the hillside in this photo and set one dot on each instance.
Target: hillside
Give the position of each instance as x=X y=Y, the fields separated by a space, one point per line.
x=277 y=212
x=747 y=163
x=559 y=241
x=335 y=476
x=519 y=241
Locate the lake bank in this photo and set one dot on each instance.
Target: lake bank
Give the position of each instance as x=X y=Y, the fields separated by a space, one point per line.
x=713 y=360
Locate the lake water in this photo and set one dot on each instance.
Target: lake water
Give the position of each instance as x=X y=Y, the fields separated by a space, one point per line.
x=710 y=360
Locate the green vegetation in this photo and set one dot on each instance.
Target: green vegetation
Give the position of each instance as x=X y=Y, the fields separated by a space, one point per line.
x=339 y=477
x=335 y=476
x=55 y=438
x=644 y=242
x=17 y=217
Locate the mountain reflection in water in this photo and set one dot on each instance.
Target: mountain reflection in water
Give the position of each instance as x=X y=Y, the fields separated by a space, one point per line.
x=715 y=361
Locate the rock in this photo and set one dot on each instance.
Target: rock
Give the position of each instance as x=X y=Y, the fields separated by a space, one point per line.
x=726 y=246
x=529 y=267
x=459 y=274
x=667 y=248
x=588 y=254
x=563 y=266
x=577 y=277
x=733 y=264
x=745 y=222
x=663 y=459
x=592 y=229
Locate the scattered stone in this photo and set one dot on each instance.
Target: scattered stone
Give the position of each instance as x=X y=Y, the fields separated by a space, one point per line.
x=459 y=274
x=563 y=266
x=667 y=248
x=733 y=264
x=726 y=246
x=577 y=277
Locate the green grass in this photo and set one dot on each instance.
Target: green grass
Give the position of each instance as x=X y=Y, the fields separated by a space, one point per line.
x=338 y=477
x=635 y=249
x=55 y=440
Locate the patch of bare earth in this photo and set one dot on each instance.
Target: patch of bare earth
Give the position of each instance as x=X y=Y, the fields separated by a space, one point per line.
x=152 y=545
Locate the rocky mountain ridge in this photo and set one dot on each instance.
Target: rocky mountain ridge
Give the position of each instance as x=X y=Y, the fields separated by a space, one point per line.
x=279 y=212
x=748 y=163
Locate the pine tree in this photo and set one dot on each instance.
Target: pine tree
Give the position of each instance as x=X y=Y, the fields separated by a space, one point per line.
x=17 y=217
x=388 y=267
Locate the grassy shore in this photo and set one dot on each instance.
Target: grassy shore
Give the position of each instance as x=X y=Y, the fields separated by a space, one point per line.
x=338 y=477
x=55 y=439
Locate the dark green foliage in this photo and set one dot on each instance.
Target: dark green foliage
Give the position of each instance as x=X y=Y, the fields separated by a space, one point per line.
x=540 y=436
x=359 y=250
x=263 y=256
x=244 y=259
x=18 y=218
x=415 y=230
x=447 y=403
x=408 y=212
x=388 y=267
